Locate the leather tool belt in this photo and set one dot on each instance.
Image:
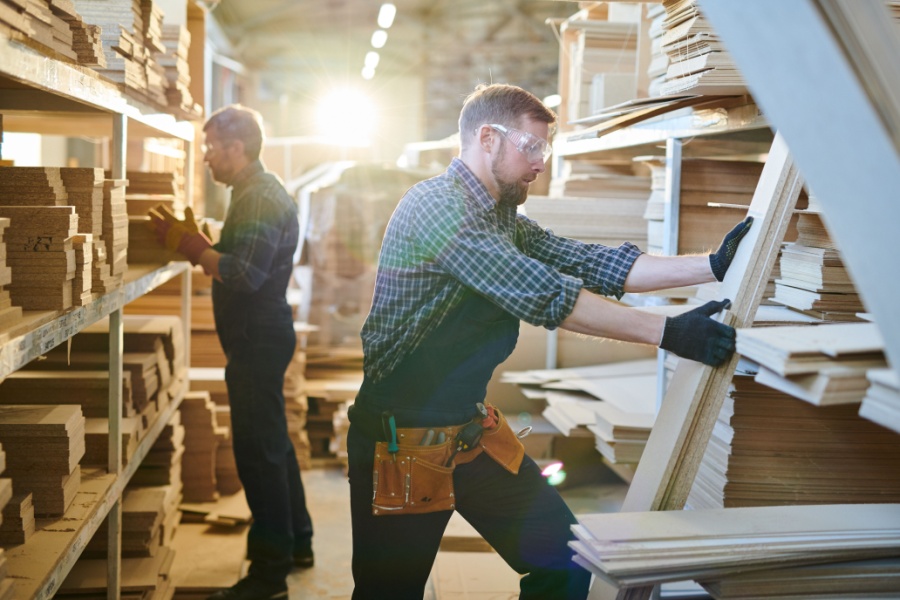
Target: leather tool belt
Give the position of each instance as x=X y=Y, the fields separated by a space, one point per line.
x=419 y=478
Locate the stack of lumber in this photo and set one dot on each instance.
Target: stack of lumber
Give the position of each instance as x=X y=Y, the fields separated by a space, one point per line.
x=296 y=404
x=644 y=548
x=813 y=278
x=40 y=252
x=698 y=62
x=43 y=446
x=729 y=184
x=9 y=315
x=881 y=404
x=149 y=189
x=149 y=518
x=202 y=433
x=227 y=480
x=162 y=465
x=18 y=524
x=327 y=391
x=594 y=203
x=89 y=389
x=84 y=188
x=18 y=521
x=174 y=61
x=768 y=448
x=659 y=59
x=825 y=364
x=349 y=208
x=142 y=372
x=598 y=54
x=142 y=577
x=615 y=403
x=53 y=28
x=97 y=438
x=130 y=46
x=115 y=227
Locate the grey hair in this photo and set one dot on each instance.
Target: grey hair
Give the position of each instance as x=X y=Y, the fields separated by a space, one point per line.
x=237 y=122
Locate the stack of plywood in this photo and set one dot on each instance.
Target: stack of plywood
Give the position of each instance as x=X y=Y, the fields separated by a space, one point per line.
x=646 y=548
x=162 y=465
x=86 y=42
x=147 y=520
x=825 y=364
x=599 y=54
x=881 y=404
x=813 y=278
x=84 y=188
x=142 y=577
x=88 y=389
x=148 y=189
x=9 y=314
x=177 y=41
x=698 y=63
x=18 y=521
x=768 y=448
x=97 y=438
x=41 y=254
x=43 y=446
x=198 y=415
x=115 y=227
x=81 y=283
x=43 y=29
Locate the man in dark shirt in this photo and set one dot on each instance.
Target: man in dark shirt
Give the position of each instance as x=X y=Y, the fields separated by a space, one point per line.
x=251 y=266
x=459 y=268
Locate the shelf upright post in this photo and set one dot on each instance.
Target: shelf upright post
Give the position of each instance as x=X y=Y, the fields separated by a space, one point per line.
x=118 y=146
x=672 y=217
x=189 y=154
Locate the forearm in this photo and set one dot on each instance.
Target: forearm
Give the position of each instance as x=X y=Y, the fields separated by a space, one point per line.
x=650 y=272
x=596 y=316
x=209 y=260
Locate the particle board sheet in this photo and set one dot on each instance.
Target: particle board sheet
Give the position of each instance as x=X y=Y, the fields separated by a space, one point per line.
x=139 y=576
x=794 y=350
x=643 y=548
x=874 y=578
x=547 y=376
x=96 y=439
x=607 y=221
x=769 y=448
x=881 y=403
x=18 y=520
x=145 y=510
x=200 y=443
x=569 y=413
x=694 y=397
x=87 y=389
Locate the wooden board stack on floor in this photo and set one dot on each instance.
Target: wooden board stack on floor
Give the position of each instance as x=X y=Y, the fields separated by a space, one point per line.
x=202 y=433
x=646 y=548
x=769 y=448
x=43 y=446
x=9 y=315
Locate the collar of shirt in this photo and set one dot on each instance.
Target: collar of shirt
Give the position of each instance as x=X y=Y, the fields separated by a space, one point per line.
x=247 y=172
x=473 y=184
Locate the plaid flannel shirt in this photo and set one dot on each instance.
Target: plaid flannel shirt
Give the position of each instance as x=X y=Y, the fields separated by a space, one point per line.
x=449 y=235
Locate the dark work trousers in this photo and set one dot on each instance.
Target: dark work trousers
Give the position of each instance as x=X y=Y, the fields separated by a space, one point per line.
x=521 y=516
x=265 y=458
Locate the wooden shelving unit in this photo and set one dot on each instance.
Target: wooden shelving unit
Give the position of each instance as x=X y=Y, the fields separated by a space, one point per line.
x=39 y=94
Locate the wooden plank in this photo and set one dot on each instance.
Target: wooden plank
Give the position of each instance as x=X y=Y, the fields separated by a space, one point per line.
x=695 y=394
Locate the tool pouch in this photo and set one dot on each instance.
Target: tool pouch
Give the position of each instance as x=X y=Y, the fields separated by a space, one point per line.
x=413 y=481
x=501 y=444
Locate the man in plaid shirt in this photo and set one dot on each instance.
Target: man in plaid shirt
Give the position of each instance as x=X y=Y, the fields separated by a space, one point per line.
x=459 y=269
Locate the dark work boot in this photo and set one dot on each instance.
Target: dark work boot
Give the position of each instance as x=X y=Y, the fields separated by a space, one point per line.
x=251 y=588
x=303 y=558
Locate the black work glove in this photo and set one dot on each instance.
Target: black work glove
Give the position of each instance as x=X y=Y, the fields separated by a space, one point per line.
x=721 y=260
x=695 y=336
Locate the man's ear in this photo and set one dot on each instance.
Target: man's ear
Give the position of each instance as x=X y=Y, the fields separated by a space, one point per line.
x=485 y=138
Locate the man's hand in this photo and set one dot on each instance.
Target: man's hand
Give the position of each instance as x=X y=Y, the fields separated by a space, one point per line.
x=721 y=259
x=694 y=335
x=182 y=236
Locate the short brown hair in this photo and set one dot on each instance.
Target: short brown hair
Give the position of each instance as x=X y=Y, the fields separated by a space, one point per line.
x=236 y=122
x=502 y=104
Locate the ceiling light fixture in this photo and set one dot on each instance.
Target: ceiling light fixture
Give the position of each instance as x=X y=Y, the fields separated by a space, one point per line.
x=386 y=15
x=371 y=59
x=379 y=38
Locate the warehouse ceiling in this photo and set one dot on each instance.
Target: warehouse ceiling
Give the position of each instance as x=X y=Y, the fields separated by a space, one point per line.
x=293 y=46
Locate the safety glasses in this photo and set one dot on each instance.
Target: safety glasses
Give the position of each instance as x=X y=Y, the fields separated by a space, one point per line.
x=534 y=148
